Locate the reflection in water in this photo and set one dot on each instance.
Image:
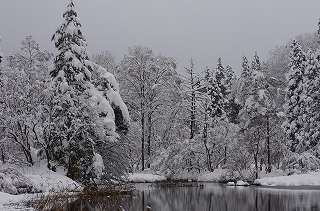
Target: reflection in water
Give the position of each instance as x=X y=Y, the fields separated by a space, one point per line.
x=212 y=197
x=216 y=197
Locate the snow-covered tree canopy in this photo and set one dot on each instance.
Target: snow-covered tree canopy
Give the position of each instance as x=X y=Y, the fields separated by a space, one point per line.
x=30 y=56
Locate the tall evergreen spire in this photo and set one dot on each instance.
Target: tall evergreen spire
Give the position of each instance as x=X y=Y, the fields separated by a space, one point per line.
x=245 y=70
x=71 y=65
x=256 y=65
x=294 y=105
x=1 y=55
x=319 y=31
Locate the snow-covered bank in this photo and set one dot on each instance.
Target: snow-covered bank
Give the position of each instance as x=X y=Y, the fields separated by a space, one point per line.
x=145 y=177
x=202 y=177
x=310 y=179
x=273 y=179
x=10 y=202
x=36 y=179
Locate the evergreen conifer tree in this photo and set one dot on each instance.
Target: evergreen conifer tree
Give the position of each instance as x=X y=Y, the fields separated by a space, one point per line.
x=84 y=123
x=71 y=64
x=245 y=81
x=294 y=106
x=256 y=65
x=311 y=117
x=214 y=91
x=245 y=70
x=1 y=54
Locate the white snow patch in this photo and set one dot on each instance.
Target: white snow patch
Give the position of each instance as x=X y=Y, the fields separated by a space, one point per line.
x=145 y=177
x=231 y=184
x=98 y=164
x=10 y=202
x=41 y=179
x=311 y=179
x=242 y=183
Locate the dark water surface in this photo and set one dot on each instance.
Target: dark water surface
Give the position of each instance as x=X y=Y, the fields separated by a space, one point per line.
x=214 y=196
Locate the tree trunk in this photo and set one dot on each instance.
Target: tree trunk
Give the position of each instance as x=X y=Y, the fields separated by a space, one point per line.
x=142 y=142
x=225 y=155
x=48 y=158
x=256 y=165
x=268 y=146
x=2 y=156
x=149 y=139
x=256 y=155
x=205 y=136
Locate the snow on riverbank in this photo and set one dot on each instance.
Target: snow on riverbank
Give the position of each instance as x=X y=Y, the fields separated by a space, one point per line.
x=311 y=179
x=202 y=177
x=145 y=177
x=38 y=178
x=46 y=181
x=10 y=202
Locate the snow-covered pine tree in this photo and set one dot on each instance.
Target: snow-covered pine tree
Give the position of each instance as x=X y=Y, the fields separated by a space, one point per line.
x=305 y=141
x=233 y=106
x=84 y=121
x=256 y=64
x=214 y=109
x=319 y=31
x=218 y=91
x=245 y=81
x=1 y=54
x=294 y=106
x=72 y=61
x=211 y=107
x=230 y=77
x=221 y=77
x=245 y=70
x=311 y=117
x=256 y=113
x=205 y=108
x=74 y=119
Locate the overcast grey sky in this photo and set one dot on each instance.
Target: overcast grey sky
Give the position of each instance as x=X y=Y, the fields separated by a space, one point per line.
x=202 y=29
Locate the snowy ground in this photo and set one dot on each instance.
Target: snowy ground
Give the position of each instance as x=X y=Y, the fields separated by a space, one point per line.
x=145 y=177
x=311 y=179
x=203 y=177
x=278 y=178
x=10 y=202
x=48 y=181
x=41 y=179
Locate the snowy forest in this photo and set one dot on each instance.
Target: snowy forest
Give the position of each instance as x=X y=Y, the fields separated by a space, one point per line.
x=101 y=120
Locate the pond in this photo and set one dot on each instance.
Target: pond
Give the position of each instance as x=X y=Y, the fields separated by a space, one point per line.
x=213 y=196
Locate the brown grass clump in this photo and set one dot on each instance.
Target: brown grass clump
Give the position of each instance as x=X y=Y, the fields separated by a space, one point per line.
x=106 y=198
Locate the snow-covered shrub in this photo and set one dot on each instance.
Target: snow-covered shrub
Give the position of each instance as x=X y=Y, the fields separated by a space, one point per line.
x=14 y=182
x=180 y=157
x=305 y=161
x=239 y=165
